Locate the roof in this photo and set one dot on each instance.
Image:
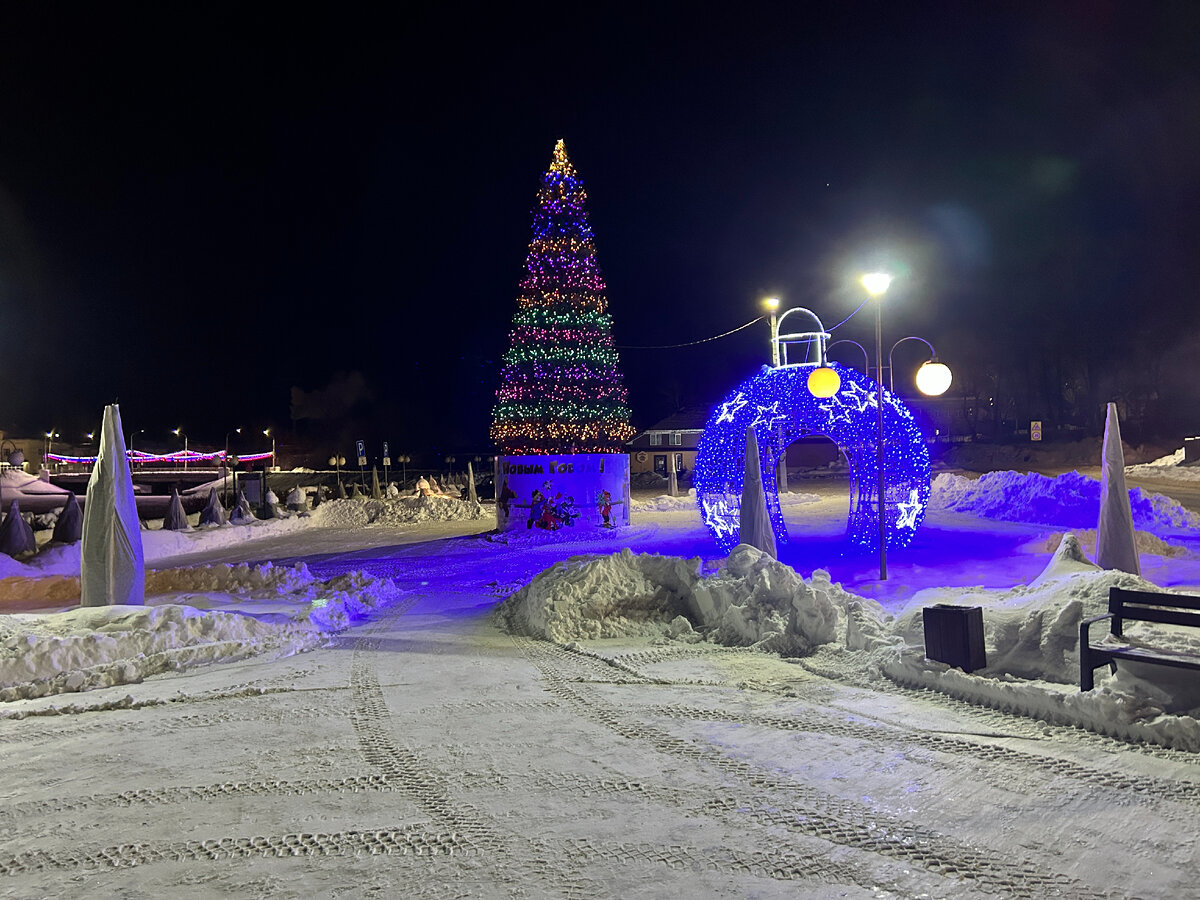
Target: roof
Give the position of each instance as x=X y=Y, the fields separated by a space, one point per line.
x=691 y=419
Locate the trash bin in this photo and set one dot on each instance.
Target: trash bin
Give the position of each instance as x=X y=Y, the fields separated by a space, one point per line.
x=954 y=635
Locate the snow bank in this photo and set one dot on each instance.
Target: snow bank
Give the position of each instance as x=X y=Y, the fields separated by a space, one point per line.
x=751 y=600
x=667 y=503
x=16 y=481
x=1069 y=501
x=264 y=610
x=398 y=511
x=1169 y=467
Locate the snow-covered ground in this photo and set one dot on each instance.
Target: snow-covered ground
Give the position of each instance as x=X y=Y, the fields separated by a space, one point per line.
x=619 y=714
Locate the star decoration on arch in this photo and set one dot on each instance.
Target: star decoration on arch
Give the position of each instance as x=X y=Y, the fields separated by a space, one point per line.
x=909 y=510
x=860 y=396
x=768 y=416
x=721 y=520
x=836 y=410
x=731 y=408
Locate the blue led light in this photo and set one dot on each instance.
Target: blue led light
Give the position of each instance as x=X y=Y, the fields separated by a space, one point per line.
x=778 y=405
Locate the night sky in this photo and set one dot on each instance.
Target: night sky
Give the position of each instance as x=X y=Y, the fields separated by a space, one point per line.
x=208 y=211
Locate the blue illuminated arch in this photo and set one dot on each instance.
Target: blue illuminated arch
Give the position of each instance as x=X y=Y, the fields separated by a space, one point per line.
x=777 y=404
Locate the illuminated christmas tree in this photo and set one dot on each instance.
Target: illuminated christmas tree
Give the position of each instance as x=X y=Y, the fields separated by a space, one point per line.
x=561 y=390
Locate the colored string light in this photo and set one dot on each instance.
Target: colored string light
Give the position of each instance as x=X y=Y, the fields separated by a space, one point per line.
x=138 y=456
x=561 y=388
x=777 y=404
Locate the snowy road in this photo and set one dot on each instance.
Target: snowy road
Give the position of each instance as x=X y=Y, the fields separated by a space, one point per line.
x=428 y=754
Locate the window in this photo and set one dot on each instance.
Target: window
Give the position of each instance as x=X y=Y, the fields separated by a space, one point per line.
x=676 y=439
x=655 y=439
x=660 y=464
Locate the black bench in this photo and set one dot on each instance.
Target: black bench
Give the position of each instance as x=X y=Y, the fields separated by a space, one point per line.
x=1140 y=606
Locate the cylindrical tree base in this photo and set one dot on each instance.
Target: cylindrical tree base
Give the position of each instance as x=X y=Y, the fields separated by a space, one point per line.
x=557 y=492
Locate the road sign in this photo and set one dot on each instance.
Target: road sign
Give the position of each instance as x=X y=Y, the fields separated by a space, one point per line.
x=362 y=453
x=1035 y=430
x=387 y=460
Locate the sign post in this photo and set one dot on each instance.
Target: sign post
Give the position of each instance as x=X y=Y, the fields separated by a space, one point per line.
x=1035 y=430
x=362 y=463
x=387 y=461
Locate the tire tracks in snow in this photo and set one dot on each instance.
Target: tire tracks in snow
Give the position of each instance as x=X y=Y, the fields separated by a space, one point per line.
x=773 y=801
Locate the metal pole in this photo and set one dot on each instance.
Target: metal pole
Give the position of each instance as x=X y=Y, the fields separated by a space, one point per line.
x=774 y=340
x=879 y=437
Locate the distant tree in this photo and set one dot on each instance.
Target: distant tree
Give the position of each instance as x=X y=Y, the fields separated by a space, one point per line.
x=561 y=390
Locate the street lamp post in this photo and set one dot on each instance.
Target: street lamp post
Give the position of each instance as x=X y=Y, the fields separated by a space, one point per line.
x=179 y=432
x=772 y=305
x=129 y=451
x=225 y=462
x=877 y=284
x=266 y=468
x=338 y=462
x=49 y=445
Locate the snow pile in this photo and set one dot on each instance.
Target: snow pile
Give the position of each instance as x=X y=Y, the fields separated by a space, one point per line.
x=400 y=511
x=94 y=647
x=752 y=600
x=16 y=481
x=289 y=611
x=667 y=503
x=1165 y=467
x=1069 y=501
x=1144 y=541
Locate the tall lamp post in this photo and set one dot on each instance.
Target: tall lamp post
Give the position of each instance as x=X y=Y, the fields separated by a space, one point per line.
x=265 y=506
x=338 y=462
x=877 y=284
x=225 y=462
x=50 y=436
x=772 y=305
x=179 y=432
x=129 y=452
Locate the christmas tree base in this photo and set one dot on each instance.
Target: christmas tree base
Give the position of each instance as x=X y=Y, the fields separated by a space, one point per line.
x=561 y=492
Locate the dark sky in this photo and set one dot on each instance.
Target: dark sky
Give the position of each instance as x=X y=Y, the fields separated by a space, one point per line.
x=203 y=207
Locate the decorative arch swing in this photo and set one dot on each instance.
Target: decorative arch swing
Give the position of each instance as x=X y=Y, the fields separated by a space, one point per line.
x=779 y=405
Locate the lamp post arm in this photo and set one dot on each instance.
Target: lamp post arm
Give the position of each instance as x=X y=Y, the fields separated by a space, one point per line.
x=911 y=337
x=866 y=356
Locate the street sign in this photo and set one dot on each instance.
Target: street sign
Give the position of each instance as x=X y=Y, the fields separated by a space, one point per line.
x=1035 y=430
x=362 y=453
x=387 y=460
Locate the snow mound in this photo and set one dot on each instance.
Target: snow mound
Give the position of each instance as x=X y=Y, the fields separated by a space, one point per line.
x=94 y=647
x=1070 y=500
x=16 y=481
x=1144 y=541
x=665 y=503
x=751 y=600
x=398 y=511
x=289 y=611
x=1169 y=467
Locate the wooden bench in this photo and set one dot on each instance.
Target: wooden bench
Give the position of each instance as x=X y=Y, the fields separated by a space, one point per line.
x=1139 y=606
